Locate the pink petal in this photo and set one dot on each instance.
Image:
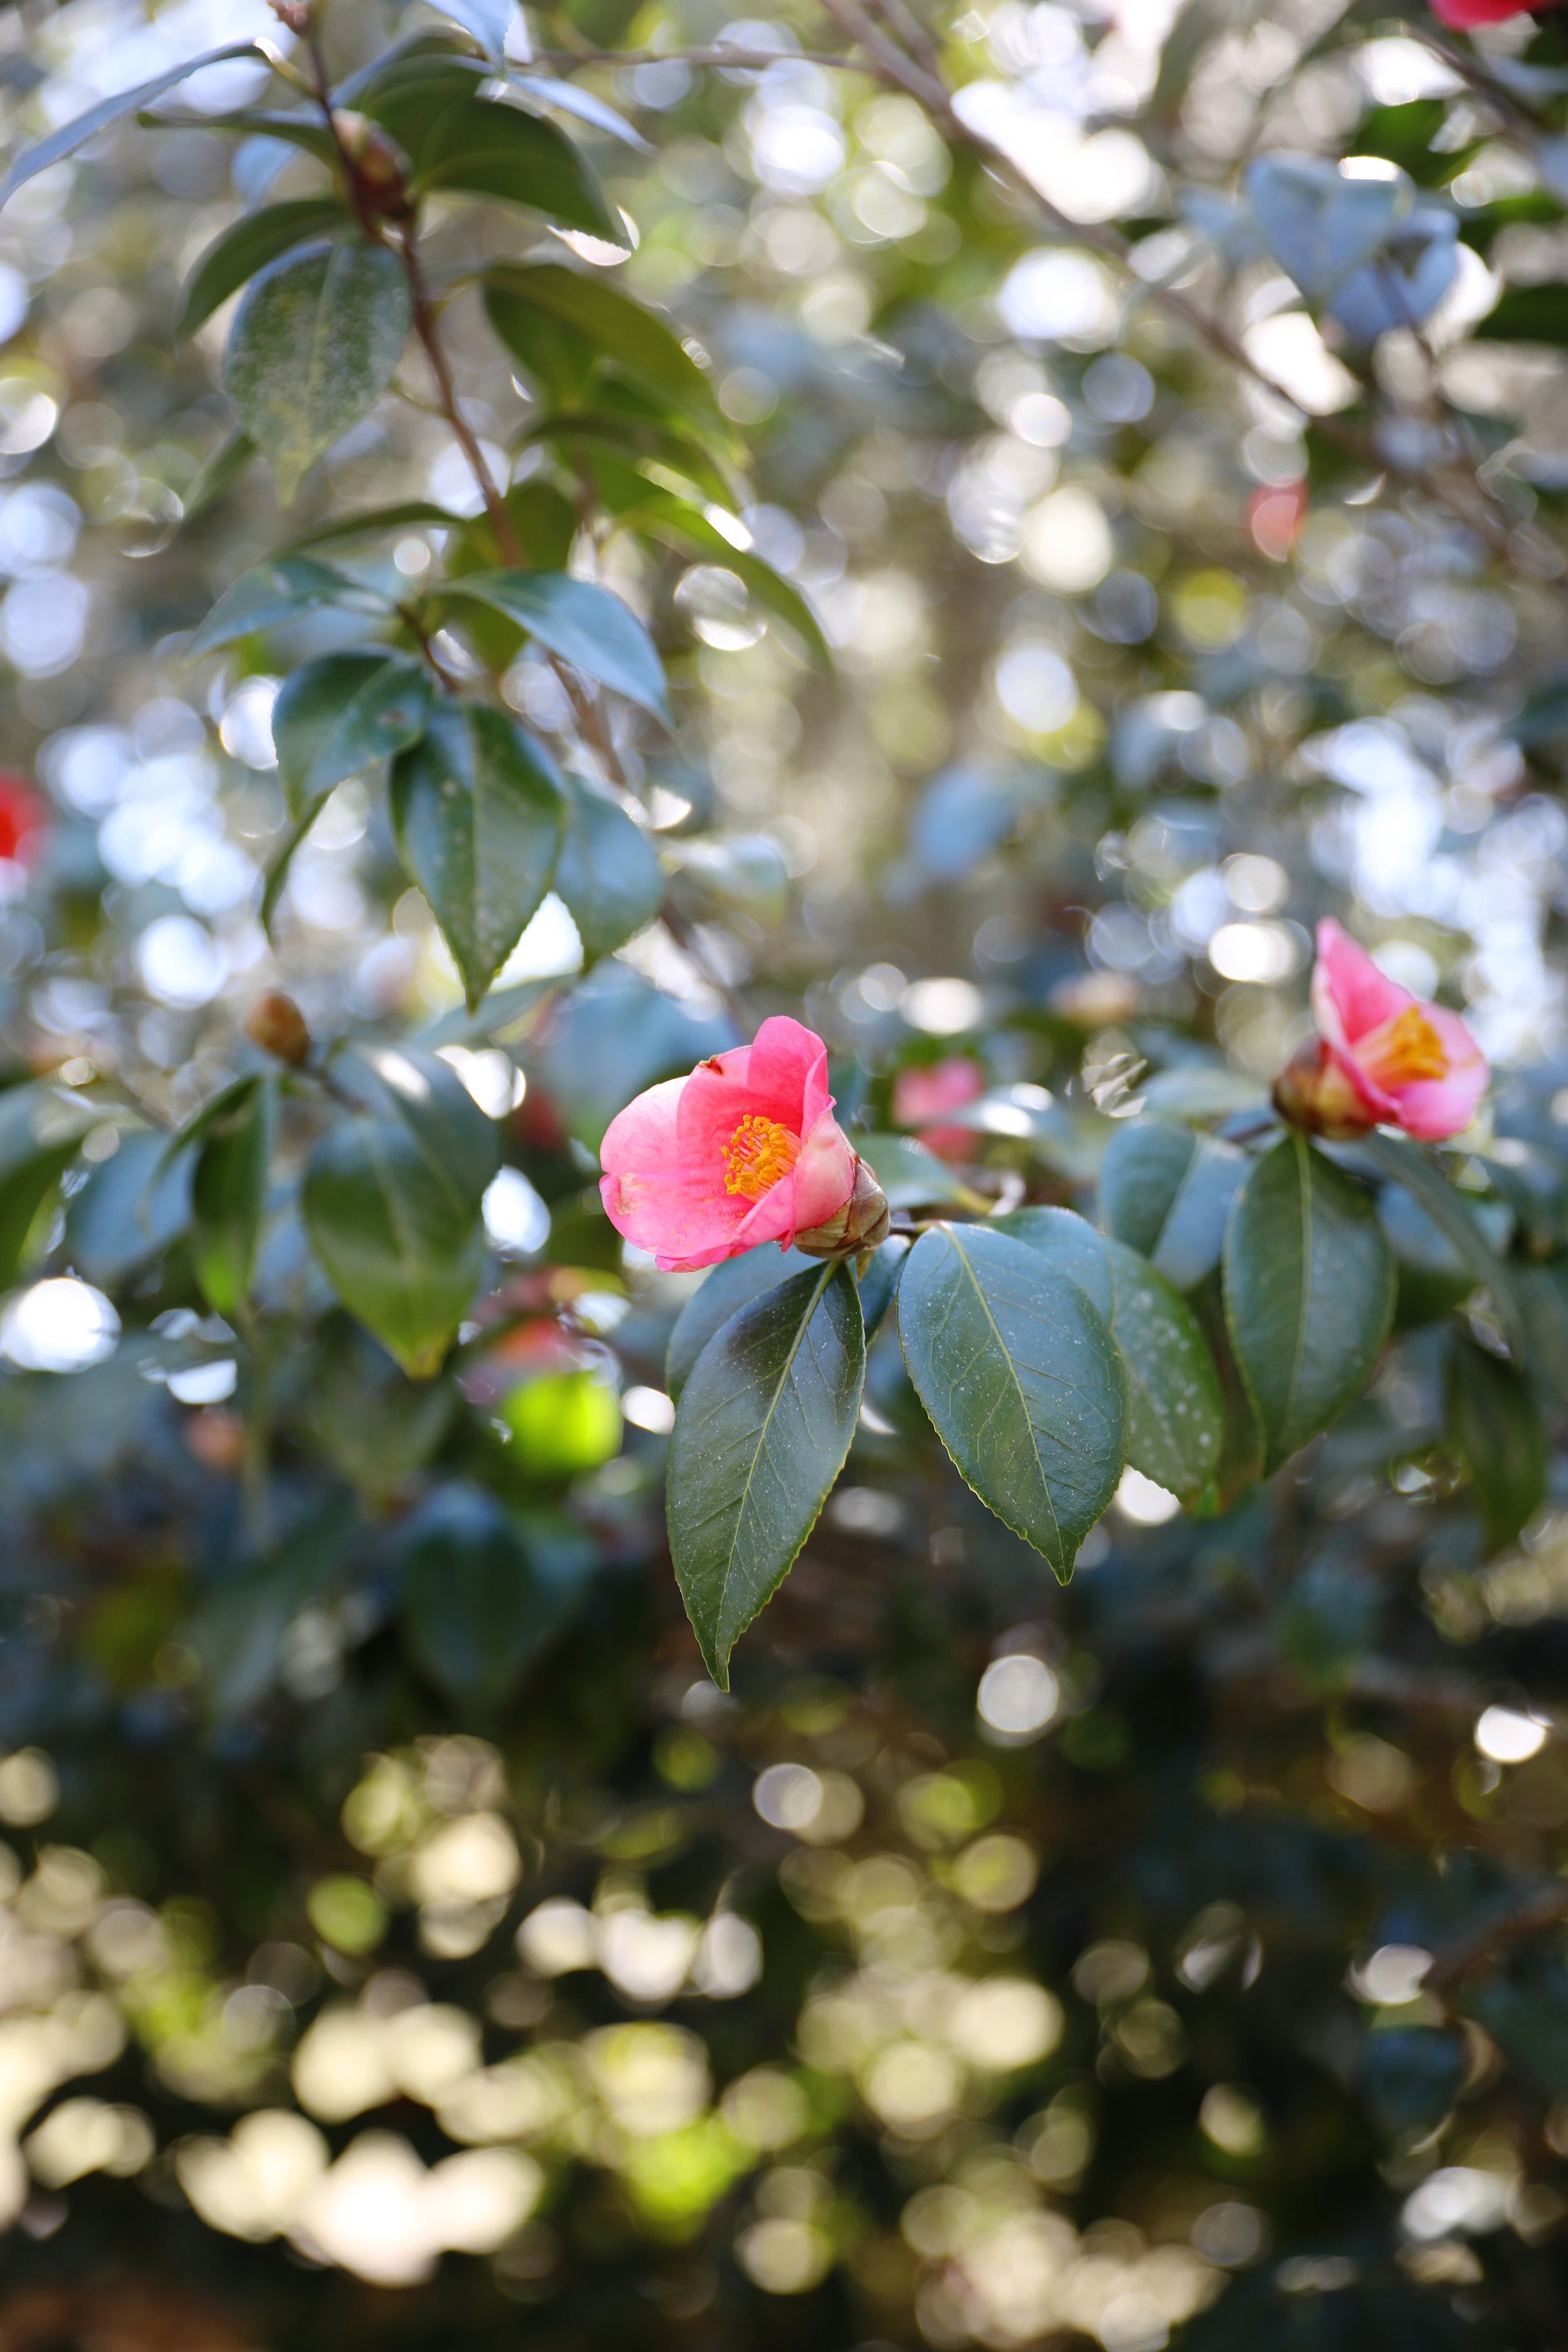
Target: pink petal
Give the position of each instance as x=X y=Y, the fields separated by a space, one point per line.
x=1350 y=995
x=683 y=1223
x=643 y=1134
x=1462 y=14
x=781 y=1076
x=1433 y=1108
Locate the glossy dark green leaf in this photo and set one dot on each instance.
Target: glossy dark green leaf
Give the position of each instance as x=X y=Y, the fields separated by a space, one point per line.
x=254 y=240
x=878 y=1286
x=473 y=1610
x=228 y=1190
x=624 y=455
x=336 y=717
x=764 y=1423
x=217 y=477
x=406 y=514
x=1167 y=1192
x=1433 y=1277
x=1176 y=1413
x=609 y=874
x=1309 y=1293
x=585 y=625
x=313 y=347
x=1495 y=1425
x=1526 y=314
x=1452 y=1212
x=579 y=312
x=293 y=126
x=487 y=20
x=58 y=145
x=732 y=1283
x=913 y=1177
x=273 y=596
x=132 y=1206
x=377 y=1427
x=485 y=147
x=41 y=1130
x=673 y=522
x=567 y=98
x=1022 y=1380
x=392 y=1200
x=480 y=809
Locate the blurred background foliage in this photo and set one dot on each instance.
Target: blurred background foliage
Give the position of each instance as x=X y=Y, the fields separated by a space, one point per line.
x=401 y=1940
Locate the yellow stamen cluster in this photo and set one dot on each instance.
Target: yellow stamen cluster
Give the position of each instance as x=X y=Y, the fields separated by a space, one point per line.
x=1410 y=1048
x=760 y=1152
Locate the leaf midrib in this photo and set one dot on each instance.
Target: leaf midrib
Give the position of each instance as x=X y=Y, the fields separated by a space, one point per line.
x=758 y=1449
x=1013 y=1374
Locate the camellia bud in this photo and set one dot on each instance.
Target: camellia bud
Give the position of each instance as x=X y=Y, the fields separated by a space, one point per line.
x=379 y=164
x=275 y=1023
x=859 y=1224
x=1314 y=1093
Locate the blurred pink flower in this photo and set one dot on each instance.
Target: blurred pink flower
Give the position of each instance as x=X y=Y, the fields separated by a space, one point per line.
x=1381 y=1058
x=746 y=1150
x=1461 y=15
x=920 y=1095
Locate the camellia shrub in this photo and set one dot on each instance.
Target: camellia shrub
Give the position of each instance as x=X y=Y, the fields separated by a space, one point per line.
x=783 y=1176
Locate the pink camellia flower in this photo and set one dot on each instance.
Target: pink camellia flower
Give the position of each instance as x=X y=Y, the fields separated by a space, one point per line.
x=1381 y=1058
x=922 y=1095
x=746 y=1150
x=1461 y=15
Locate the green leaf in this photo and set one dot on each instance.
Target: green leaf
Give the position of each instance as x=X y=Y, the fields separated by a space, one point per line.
x=314 y=345
x=284 y=849
x=376 y=1428
x=609 y=872
x=484 y=147
x=131 y=1207
x=1526 y=314
x=298 y=129
x=1495 y=1425
x=674 y=524
x=763 y=1430
x=473 y=1612
x=478 y=808
x=276 y=593
x=1022 y=1380
x=228 y=1190
x=880 y=1283
x=1407 y=1164
x=41 y=1128
x=567 y=98
x=625 y=455
x=914 y=1178
x=557 y=321
x=1176 y=1413
x=583 y=623
x=733 y=1283
x=392 y=1200
x=72 y=135
x=1309 y=1293
x=218 y=476
x=254 y=240
x=408 y=514
x=1167 y=1192
x=487 y=20
x=336 y=717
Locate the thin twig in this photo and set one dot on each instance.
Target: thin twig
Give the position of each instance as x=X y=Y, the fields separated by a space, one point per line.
x=1459 y=489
